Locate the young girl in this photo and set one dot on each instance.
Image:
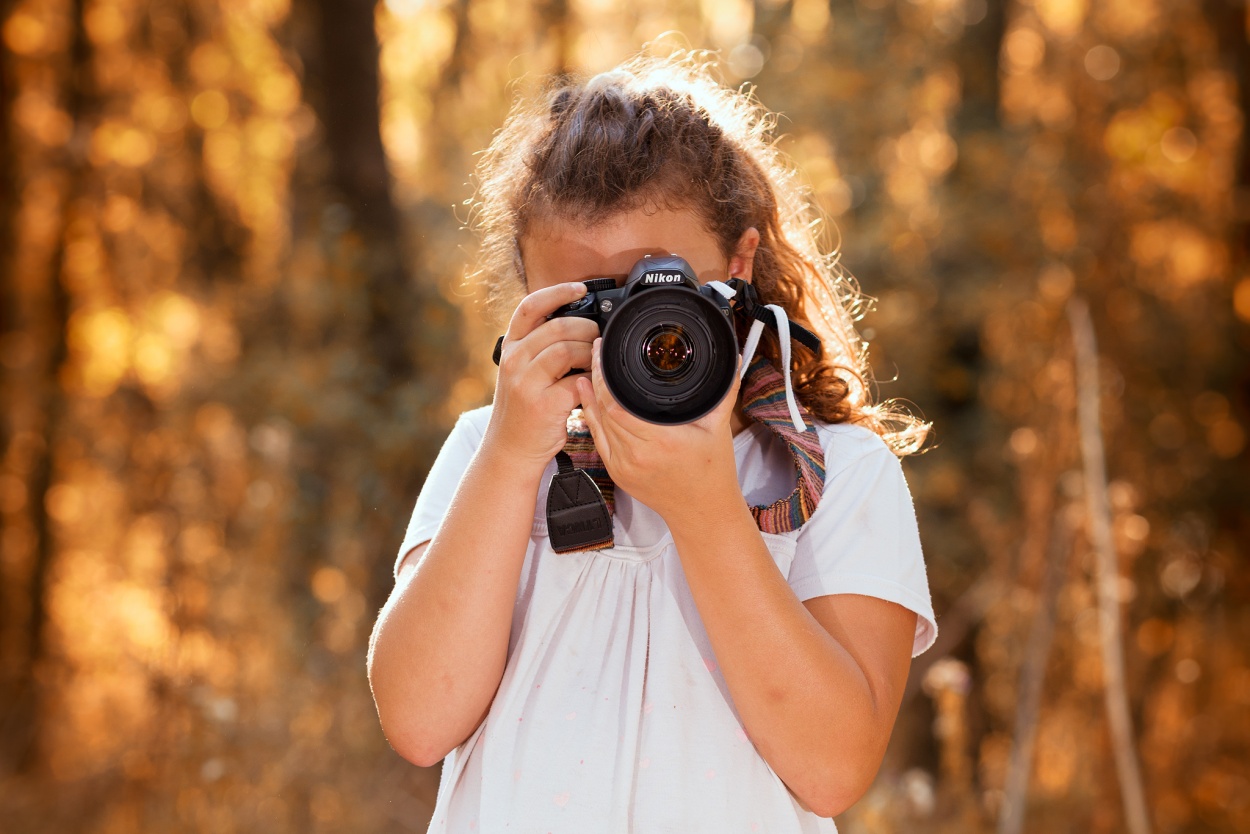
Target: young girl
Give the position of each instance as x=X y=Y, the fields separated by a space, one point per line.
x=735 y=659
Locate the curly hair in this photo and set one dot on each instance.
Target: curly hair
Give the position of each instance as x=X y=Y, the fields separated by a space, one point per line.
x=663 y=132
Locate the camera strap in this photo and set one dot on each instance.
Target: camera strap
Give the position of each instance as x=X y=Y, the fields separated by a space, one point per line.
x=748 y=304
x=577 y=514
x=763 y=400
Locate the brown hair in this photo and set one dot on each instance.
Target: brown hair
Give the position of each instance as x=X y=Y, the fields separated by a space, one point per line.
x=663 y=132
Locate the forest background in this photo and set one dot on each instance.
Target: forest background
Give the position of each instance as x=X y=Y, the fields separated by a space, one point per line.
x=234 y=329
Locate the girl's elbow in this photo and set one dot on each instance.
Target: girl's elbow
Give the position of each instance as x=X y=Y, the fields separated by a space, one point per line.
x=837 y=789
x=419 y=733
x=414 y=745
x=419 y=755
x=830 y=803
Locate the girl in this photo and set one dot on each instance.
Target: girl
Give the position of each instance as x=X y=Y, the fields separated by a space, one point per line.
x=735 y=659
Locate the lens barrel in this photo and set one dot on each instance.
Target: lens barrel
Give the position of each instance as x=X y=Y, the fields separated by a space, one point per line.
x=669 y=355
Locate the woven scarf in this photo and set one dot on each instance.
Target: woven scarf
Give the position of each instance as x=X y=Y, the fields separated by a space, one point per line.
x=764 y=401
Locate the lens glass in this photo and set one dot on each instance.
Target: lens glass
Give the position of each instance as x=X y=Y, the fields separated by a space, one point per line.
x=668 y=351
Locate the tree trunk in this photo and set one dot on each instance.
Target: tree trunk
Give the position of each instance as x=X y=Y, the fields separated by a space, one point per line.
x=344 y=69
x=19 y=741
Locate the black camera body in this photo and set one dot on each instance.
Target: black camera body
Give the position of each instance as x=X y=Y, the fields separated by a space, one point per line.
x=670 y=348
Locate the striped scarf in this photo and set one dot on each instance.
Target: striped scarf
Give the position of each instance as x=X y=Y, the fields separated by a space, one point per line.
x=763 y=400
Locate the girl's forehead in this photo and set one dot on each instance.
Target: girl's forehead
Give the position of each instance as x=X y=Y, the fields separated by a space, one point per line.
x=648 y=221
x=556 y=249
x=561 y=249
x=628 y=230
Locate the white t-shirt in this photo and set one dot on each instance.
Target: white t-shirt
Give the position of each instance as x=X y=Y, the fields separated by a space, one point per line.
x=612 y=715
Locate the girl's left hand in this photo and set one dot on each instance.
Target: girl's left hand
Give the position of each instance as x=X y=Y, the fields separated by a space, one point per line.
x=671 y=469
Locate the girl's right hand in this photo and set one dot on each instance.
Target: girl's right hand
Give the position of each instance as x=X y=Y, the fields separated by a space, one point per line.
x=533 y=397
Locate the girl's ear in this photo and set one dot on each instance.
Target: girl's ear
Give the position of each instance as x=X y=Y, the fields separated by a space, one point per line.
x=742 y=262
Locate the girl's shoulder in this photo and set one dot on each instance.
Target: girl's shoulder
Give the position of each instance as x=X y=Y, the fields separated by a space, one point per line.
x=846 y=443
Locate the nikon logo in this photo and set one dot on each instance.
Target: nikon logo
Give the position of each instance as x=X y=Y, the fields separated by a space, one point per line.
x=662 y=278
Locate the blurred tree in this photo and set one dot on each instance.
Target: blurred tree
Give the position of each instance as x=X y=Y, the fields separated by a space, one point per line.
x=341 y=81
x=45 y=323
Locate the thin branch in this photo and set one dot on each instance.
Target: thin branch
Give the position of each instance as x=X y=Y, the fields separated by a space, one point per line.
x=1107 y=572
x=958 y=621
x=1032 y=678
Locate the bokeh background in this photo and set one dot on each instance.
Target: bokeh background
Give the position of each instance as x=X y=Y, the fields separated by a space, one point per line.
x=234 y=329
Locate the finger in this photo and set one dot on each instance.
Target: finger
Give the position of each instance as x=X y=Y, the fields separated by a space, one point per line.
x=560 y=329
x=598 y=384
x=535 y=307
x=609 y=408
x=558 y=358
x=516 y=361
x=590 y=411
x=569 y=396
x=521 y=352
x=723 y=412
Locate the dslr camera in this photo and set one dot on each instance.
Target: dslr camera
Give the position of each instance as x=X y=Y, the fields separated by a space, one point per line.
x=670 y=349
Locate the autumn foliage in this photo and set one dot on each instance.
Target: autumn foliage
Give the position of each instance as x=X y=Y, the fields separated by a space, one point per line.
x=234 y=330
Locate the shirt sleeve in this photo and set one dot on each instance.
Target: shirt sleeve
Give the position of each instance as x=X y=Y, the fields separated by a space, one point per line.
x=863 y=539
x=441 y=484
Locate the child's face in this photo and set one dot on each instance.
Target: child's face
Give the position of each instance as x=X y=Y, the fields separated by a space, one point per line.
x=556 y=251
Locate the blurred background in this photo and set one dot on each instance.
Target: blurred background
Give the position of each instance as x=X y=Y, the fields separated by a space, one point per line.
x=234 y=329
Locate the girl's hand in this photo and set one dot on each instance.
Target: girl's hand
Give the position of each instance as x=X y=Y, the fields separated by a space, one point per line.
x=533 y=397
x=672 y=469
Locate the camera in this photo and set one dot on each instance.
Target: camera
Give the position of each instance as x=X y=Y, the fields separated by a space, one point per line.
x=670 y=349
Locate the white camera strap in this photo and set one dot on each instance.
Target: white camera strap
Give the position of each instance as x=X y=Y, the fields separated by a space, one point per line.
x=753 y=342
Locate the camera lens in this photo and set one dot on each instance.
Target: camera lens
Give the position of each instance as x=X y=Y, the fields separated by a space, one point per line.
x=669 y=355
x=668 y=351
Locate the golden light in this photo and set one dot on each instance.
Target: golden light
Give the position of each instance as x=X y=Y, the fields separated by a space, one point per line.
x=1178 y=144
x=810 y=19
x=105 y=23
x=278 y=93
x=64 y=503
x=102 y=340
x=210 y=64
x=153 y=359
x=133 y=148
x=210 y=109
x=1024 y=441
x=1063 y=17
x=1241 y=299
x=223 y=154
x=24 y=33
x=1102 y=63
x=117 y=141
x=1226 y=438
x=159 y=112
x=1024 y=48
x=329 y=584
x=38 y=115
x=178 y=318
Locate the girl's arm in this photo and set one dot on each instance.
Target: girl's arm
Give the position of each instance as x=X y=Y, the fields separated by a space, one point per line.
x=817 y=684
x=440 y=644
